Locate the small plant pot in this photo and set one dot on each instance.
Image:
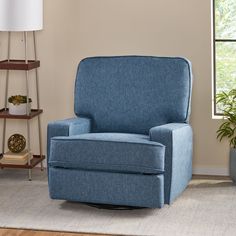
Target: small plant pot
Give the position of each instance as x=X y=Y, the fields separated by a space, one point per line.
x=232 y=164
x=20 y=109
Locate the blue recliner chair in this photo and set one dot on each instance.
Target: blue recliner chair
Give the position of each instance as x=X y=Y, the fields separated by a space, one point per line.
x=130 y=143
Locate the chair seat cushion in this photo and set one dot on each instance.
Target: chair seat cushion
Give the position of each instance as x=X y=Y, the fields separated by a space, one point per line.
x=116 y=152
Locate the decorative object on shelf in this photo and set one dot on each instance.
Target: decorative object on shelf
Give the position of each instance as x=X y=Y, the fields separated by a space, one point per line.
x=11 y=158
x=22 y=16
x=16 y=143
x=18 y=105
x=227 y=104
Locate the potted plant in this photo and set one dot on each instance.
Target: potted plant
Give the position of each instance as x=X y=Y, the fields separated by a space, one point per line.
x=18 y=105
x=227 y=104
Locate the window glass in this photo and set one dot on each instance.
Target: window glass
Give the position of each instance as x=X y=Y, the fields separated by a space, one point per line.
x=224 y=46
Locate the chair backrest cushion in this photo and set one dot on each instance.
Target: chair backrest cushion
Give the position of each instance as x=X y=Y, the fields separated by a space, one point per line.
x=133 y=93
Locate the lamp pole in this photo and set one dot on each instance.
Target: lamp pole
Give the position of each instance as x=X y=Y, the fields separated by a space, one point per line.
x=22 y=16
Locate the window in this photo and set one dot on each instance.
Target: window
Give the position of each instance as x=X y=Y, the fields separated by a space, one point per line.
x=224 y=46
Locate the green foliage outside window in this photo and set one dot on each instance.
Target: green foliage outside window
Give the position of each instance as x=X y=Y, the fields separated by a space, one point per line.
x=225 y=19
x=225 y=52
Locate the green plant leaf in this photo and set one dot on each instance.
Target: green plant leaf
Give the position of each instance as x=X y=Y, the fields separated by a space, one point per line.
x=227 y=104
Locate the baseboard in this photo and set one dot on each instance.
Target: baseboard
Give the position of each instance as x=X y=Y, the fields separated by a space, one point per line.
x=211 y=171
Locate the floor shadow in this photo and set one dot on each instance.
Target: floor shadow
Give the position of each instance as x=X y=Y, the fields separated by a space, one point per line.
x=83 y=208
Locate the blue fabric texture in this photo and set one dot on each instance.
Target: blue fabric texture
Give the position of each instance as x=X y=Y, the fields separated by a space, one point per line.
x=132 y=153
x=130 y=143
x=138 y=92
x=67 y=127
x=178 y=156
x=107 y=188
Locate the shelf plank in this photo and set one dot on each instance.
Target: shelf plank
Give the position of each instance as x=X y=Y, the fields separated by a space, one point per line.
x=35 y=161
x=19 y=65
x=34 y=112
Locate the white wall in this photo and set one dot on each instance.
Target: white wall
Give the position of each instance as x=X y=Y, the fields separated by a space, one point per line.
x=79 y=28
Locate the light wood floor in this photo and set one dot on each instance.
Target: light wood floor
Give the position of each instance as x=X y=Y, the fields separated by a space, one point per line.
x=16 y=232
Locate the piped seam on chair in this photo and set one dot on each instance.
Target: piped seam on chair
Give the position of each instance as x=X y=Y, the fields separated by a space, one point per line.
x=190 y=90
x=101 y=164
x=62 y=139
x=108 y=171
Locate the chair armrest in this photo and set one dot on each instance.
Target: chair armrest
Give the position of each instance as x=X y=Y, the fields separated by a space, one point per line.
x=177 y=137
x=163 y=133
x=68 y=127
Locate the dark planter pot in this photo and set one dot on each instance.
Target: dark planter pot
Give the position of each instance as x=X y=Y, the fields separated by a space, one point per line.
x=232 y=164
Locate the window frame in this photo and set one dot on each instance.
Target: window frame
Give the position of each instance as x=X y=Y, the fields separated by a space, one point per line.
x=215 y=40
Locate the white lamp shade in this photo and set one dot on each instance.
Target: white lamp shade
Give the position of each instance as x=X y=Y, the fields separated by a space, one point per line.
x=21 y=15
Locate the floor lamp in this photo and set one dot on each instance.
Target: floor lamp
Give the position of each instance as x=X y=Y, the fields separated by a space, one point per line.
x=22 y=16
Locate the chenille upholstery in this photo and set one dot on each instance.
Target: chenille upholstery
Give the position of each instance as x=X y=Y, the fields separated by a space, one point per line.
x=130 y=142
